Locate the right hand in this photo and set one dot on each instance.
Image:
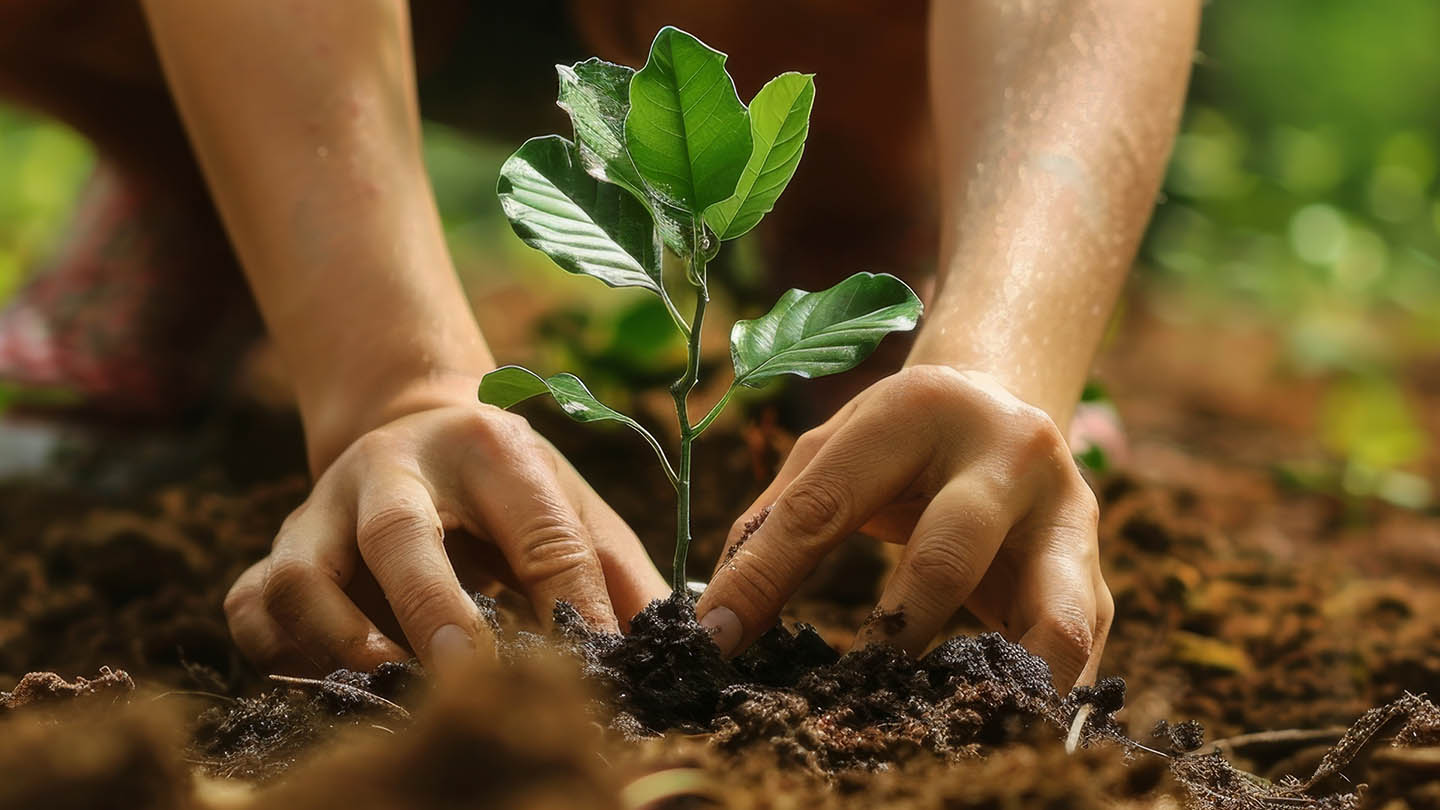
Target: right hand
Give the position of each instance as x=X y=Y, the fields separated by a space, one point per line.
x=469 y=473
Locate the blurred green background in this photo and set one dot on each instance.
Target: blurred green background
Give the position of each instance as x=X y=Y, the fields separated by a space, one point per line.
x=1302 y=198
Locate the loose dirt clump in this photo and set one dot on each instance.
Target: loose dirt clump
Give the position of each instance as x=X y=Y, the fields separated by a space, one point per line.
x=38 y=688
x=501 y=738
x=826 y=712
x=259 y=738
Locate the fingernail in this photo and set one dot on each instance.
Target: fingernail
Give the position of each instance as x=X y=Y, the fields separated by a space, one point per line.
x=451 y=648
x=724 y=628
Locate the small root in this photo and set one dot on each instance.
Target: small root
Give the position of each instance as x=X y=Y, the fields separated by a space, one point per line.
x=1072 y=741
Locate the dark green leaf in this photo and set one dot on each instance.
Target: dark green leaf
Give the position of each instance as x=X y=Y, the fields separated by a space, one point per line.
x=811 y=334
x=587 y=226
x=779 y=122
x=687 y=131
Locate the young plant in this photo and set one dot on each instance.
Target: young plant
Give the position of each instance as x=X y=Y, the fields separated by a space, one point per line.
x=668 y=163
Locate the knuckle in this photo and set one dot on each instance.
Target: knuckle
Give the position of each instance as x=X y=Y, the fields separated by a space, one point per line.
x=375 y=444
x=941 y=566
x=809 y=443
x=813 y=505
x=1072 y=632
x=500 y=432
x=1035 y=444
x=1036 y=431
x=286 y=584
x=1104 y=608
x=932 y=385
x=549 y=549
x=393 y=524
x=240 y=599
x=423 y=603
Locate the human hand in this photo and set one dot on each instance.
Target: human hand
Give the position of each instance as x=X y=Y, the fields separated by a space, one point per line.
x=398 y=502
x=978 y=485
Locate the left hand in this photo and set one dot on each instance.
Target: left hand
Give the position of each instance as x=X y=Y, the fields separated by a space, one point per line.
x=979 y=486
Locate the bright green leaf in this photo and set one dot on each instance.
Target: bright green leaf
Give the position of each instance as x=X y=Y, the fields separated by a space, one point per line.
x=687 y=131
x=508 y=386
x=779 y=123
x=586 y=226
x=811 y=334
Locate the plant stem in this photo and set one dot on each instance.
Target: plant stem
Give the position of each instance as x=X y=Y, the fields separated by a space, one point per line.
x=681 y=392
x=674 y=313
x=714 y=412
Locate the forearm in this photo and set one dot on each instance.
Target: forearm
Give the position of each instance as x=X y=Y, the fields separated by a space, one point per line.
x=305 y=121
x=1053 y=122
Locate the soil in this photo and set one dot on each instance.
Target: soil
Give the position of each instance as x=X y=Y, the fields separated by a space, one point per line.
x=1258 y=622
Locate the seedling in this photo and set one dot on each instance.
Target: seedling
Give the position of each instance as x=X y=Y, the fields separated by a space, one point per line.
x=667 y=163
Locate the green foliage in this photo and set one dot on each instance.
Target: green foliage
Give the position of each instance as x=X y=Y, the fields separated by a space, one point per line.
x=42 y=169
x=658 y=154
x=779 y=124
x=1303 y=194
x=687 y=131
x=812 y=334
x=510 y=385
x=584 y=225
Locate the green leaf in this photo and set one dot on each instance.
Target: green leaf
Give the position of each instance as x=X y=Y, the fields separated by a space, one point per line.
x=811 y=334
x=508 y=386
x=687 y=131
x=596 y=94
x=779 y=123
x=586 y=226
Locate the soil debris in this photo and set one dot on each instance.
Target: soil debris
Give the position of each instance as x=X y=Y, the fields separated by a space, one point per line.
x=48 y=688
x=889 y=622
x=751 y=526
x=260 y=738
x=520 y=741
x=827 y=712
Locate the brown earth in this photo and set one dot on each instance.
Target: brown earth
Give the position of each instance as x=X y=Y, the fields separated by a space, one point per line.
x=1273 y=615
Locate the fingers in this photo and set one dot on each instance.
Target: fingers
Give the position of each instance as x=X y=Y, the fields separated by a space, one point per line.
x=1104 y=619
x=401 y=538
x=800 y=455
x=522 y=505
x=303 y=591
x=631 y=578
x=1062 y=606
x=952 y=546
x=258 y=636
x=867 y=463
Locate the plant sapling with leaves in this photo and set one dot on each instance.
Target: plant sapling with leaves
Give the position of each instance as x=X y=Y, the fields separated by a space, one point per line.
x=667 y=162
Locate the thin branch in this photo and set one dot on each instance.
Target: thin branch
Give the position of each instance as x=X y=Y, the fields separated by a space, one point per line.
x=346 y=689
x=714 y=412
